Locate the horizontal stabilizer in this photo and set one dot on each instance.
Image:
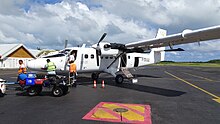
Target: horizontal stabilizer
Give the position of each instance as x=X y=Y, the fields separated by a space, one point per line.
x=172 y=50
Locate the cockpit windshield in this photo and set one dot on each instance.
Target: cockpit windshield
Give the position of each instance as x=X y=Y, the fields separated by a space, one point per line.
x=62 y=53
x=55 y=55
x=65 y=51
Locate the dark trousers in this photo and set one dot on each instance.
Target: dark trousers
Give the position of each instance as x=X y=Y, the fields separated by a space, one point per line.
x=72 y=76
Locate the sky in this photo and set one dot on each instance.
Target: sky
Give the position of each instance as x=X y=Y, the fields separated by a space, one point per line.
x=46 y=24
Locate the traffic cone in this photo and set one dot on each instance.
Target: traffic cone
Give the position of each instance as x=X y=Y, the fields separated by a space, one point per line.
x=94 y=84
x=103 y=84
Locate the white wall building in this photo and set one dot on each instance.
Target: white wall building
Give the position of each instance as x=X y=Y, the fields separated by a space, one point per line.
x=10 y=54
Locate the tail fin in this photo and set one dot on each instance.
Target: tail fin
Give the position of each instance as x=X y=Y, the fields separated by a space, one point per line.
x=161 y=33
x=159 y=54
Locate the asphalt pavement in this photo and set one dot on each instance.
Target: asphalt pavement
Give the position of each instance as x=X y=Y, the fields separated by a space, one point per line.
x=176 y=95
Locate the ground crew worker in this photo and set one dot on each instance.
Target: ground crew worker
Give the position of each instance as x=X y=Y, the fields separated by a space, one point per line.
x=51 y=74
x=72 y=73
x=72 y=57
x=21 y=71
x=50 y=67
x=22 y=67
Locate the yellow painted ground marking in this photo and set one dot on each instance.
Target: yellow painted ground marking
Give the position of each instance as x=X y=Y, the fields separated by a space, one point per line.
x=130 y=115
x=216 y=98
x=110 y=106
x=100 y=113
x=138 y=108
x=198 y=76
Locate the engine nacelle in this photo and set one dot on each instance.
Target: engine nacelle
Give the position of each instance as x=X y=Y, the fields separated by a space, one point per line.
x=115 y=46
x=110 y=52
x=185 y=32
x=106 y=48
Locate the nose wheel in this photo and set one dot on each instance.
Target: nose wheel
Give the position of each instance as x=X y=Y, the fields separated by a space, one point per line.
x=119 y=79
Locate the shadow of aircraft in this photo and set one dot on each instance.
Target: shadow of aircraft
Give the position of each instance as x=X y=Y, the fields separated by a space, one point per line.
x=149 y=89
x=128 y=85
x=149 y=76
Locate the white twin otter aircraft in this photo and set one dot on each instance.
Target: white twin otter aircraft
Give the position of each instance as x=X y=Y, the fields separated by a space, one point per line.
x=105 y=57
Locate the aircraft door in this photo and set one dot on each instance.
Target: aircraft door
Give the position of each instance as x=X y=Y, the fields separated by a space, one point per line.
x=123 y=60
x=157 y=56
x=136 y=61
x=85 y=61
x=88 y=62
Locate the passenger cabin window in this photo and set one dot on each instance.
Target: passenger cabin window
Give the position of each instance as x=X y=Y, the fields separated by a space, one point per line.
x=86 y=56
x=92 y=56
x=129 y=57
x=106 y=57
x=102 y=57
x=111 y=57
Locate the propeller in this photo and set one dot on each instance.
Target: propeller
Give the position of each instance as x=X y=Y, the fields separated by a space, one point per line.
x=98 y=50
x=120 y=47
x=101 y=39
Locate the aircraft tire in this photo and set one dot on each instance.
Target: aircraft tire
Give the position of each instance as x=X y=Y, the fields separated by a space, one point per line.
x=57 y=91
x=119 y=79
x=95 y=76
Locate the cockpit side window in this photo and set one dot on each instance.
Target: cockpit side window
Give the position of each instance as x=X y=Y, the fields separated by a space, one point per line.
x=74 y=51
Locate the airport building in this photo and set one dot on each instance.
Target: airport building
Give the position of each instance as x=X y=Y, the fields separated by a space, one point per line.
x=10 y=54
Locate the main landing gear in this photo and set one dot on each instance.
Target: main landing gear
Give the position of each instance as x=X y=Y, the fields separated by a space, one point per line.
x=118 y=79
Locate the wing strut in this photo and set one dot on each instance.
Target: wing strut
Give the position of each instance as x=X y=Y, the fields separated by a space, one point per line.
x=171 y=45
x=115 y=59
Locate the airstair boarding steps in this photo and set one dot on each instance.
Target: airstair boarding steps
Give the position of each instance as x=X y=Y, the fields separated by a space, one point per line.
x=126 y=72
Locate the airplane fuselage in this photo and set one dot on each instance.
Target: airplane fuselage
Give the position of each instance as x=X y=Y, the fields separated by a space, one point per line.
x=87 y=60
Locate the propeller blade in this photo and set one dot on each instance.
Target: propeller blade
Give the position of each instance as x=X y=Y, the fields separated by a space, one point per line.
x=98 y=53
x=103 y=36
x=65 y=44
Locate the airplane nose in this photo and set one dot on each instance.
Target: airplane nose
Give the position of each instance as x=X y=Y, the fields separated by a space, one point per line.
x=36 y=64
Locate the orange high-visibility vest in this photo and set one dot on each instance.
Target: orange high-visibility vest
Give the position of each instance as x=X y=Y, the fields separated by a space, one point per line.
x=22 y=69
x=72 y=67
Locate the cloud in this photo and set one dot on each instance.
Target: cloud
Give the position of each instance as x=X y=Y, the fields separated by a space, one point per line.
x=11 y=7
x=167 y=12
x=47 y=24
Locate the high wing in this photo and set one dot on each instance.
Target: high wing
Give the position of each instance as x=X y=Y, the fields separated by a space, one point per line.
x=187 y=36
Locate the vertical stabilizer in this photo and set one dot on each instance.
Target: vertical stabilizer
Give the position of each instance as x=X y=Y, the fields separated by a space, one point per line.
x=161 y=33
x=159 y=54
